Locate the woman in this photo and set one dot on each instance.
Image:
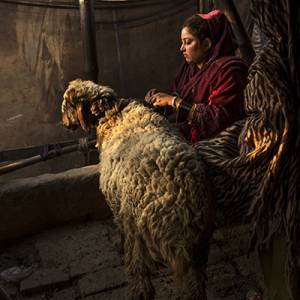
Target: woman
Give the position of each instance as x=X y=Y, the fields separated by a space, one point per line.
x=208 y=91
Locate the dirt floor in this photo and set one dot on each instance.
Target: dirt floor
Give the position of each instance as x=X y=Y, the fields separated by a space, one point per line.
x=81 y=261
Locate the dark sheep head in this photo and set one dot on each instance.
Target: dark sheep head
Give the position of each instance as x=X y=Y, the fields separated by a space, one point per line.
x=85 y=103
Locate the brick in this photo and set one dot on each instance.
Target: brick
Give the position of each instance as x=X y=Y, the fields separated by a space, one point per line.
x=103 y=280
x=247 y=266
x=43 y=279
x=92 y=263
x=65 y=294
x=70 y=244
x=216 y=255
x=9 y=288
x=116 y=294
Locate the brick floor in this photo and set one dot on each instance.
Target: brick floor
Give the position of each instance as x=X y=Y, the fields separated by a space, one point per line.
x=81 y=261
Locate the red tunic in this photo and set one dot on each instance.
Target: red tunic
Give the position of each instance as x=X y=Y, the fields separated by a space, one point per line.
x=216 y=94
x=216 y=91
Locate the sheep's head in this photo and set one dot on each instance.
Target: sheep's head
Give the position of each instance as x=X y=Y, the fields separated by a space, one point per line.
x=85 y=103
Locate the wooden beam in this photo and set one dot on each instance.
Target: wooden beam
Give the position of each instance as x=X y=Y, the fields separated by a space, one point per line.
x=204 y=6
x=244 y=42
x=87 y=21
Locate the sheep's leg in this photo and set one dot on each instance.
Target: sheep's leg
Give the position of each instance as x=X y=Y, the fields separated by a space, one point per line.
x=195 y=279
x=137 y=262
x=119 y=242
x=195 y=286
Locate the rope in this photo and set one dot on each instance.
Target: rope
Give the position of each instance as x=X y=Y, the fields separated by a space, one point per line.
x=176 y=6
x=83 y=145
x=104 y=4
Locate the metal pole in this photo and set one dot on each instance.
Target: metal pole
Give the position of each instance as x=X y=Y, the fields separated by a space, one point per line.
x=204 y=6
x=199 y=6
x=37 y=158
x=245 y=45
x=87 y=21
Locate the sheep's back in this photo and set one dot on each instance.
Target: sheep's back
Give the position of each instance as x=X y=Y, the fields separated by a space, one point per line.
x=148 y=170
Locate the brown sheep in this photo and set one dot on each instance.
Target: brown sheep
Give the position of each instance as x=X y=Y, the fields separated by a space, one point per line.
x=154 y=183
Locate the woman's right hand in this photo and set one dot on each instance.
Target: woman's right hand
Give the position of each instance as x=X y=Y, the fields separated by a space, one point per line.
x=150 y=93
x=162 y=99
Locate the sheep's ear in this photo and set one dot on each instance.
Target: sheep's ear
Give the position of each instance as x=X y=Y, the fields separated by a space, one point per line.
x=83 y=115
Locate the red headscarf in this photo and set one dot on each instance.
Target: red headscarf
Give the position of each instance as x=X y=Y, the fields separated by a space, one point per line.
x=222 y=45
x=221 y=34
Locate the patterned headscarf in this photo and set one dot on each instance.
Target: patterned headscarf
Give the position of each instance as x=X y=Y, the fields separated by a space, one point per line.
x=279 y=20
x=273 y=128
x=257 y=160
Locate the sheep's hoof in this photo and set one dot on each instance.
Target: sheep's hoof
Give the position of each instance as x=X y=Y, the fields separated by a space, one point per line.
x=142 y=290
x=195 y=295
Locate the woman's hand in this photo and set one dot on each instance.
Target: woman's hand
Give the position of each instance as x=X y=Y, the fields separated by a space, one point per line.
x=149 y=95
x=161 y=99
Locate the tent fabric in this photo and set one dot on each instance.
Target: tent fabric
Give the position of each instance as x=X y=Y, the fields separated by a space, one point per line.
x=138 y=41
x=132 y=55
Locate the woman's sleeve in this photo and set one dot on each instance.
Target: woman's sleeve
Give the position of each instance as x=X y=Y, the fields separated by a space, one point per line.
x=225 y=104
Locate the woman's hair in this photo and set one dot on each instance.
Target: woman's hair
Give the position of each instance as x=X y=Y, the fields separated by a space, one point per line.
x=198 y=27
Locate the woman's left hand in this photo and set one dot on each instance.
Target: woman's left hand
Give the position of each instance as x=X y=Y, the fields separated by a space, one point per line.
x=161 y=99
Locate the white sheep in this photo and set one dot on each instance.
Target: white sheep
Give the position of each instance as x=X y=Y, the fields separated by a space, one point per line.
x=154 y=183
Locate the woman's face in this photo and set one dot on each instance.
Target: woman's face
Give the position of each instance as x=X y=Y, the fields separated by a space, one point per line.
x=192 y=48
